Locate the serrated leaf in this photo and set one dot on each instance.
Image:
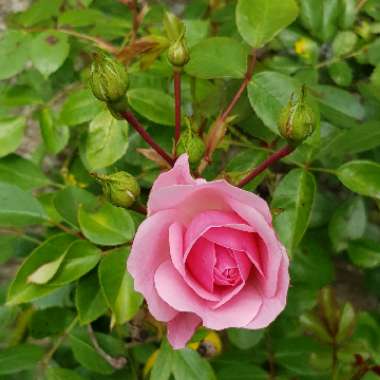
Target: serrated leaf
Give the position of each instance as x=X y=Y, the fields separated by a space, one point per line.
x=117 y=286
x=259 y=21
x=107 y=225
x=89 y=299
x=23 y=173
x=48 y=51
x=11 y=134
x=294 y=196
x=106 y=141
x=362 y=177
x=19 y=208
x=154 y=105
x=217 y=57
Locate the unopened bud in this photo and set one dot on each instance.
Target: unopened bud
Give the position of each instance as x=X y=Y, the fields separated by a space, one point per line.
x=297 y=120
x=109 y=78
x=178 y=53
x=120 y=188
x=192 y=145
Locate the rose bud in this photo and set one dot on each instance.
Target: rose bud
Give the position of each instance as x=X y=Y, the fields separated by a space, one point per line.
x=178 y=53
x=120 y=188
x=297 y=120
x=109 y=78
x=207 y=254
x=192 y=145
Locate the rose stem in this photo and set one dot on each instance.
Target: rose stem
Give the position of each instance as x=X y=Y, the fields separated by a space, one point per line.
x=283 y=152
x=235 y=99
x=177 y=102
x=128 y=115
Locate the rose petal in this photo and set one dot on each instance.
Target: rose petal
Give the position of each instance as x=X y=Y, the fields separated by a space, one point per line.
x=272 y=307
x=271 y=250
x=177 y=256
x=182 y=328
x=149 y=249
x=237 y=313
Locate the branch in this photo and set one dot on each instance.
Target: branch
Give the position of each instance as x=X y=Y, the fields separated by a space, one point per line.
x=265 y=164
x=128 y=115
x=116 y=363
x=177 y=103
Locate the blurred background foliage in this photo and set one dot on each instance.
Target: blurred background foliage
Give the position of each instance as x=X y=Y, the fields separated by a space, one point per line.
x=78 y=317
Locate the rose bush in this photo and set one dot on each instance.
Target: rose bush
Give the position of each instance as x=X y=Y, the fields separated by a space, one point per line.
x=208 y=254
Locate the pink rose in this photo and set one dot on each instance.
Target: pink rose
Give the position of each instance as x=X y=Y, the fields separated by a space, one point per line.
x=207 y=255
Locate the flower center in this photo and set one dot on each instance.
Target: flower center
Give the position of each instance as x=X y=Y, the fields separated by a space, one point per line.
x=226 y=271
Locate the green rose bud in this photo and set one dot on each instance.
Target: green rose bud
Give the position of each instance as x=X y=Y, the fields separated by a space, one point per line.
x=109 y=78
x=120 y=188
x=192 y=145
x=297 y=120
x=178 y=53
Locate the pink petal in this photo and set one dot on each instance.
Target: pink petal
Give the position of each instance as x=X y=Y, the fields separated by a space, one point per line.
x=149 y=250
x=177 y=256
x=237 y=313
x=182 y=328
x=271 y=250
x=201 y=263
x=206 y=220
x=272 y=307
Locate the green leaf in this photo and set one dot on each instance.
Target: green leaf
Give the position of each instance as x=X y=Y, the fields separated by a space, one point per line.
x=7 y=247
x=362 y=177
x=259 y=21
x=245 y=339
x=81 y=257
x=268 y=93
x=22 y=173
x=313 y=324
x=106 y=141
x=344 y=43
x=346 y=323
x=20 y=289
x=154 y=105
x=40 y=10
x=106 y=225
x=329 y=19
x=364 y=253
x=46 y=272
x=117 y=286
x=341 y=73
x=162 y=367
x=295 y=196
x=240 y=370
x=347 y=223
x=50 y=321
x=55 y=373
x=338 y=100
x=48 y=51
x=11 y=134
x=86 y=355
x=360 y=138
x=348 y=16
x=54 y=133
x=89 y=299
x=19 y=208
x=19 y=358
x=311 y=14
x=67 y=203
x=13 y=46
x=217 y=57
x=188 y=364
x=79 y=107
x=80 y=17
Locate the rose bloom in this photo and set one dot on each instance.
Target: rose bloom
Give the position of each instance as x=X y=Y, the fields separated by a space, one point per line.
x=207 y=254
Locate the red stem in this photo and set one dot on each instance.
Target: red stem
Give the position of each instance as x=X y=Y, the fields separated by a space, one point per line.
x=128 y=115
x=235 y=99
x=177 y=100
x=265 y=164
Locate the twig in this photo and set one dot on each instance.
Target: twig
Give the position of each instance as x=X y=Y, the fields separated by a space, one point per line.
x=116 y=363
x=57 y=344
x=128 y=115
x=222 y=118
x=265 y=164
x=177 y=104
